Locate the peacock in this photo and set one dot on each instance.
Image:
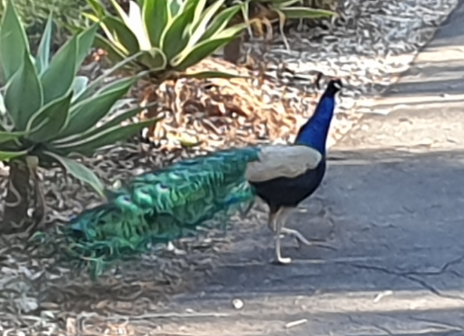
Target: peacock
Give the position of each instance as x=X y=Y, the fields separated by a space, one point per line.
x=172 y=202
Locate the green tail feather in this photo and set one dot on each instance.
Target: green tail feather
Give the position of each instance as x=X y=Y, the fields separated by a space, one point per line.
x=162 y=206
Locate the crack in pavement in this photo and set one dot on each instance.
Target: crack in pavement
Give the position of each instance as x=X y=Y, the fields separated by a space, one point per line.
x=411 y=276
x=432 y=327
x=442 y=270
x=353 y=321
x=446 y=326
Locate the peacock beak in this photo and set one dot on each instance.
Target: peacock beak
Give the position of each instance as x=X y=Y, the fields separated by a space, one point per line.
x=318 y=80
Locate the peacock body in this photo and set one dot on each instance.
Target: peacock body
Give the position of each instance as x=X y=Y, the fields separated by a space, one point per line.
x=161 y=206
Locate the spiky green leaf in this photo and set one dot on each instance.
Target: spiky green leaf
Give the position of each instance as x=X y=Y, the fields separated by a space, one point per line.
x=97 y=7
x=178 y=35
x=87 y=113
x=85 y=40
x=6 y=156
x=23 y=96
x=204 y=20
x=97 y=82
x=121 y=13
x=155 y=16
x=58 y=79
x=175 y=7
x=50 y=120
x=79 y=171
x=120 y=35
x=121 y=84
x=108 y=137
x=219 y=22
x=205 y=49
x=135 y=24
x=8 y=136
x=13 y=42
x=116 y=120
x=43 y=52
x=198 y=13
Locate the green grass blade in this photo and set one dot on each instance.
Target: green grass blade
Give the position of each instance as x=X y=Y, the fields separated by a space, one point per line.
x=306 y=13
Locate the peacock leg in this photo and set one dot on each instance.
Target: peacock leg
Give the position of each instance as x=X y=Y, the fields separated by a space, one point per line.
x=271 y=221
x=300 y=238
x=281 y=217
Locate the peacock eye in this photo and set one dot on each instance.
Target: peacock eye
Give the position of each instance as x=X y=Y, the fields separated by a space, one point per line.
x=337 y=85
x=125 y=198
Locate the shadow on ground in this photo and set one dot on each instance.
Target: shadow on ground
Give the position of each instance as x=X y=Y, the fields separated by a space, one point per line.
x=396 y=219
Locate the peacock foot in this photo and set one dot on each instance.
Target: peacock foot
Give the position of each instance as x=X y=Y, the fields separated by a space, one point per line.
x=281 y=261
x=301 y=239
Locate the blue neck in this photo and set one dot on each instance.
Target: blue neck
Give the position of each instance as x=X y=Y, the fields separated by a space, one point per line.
x=314 y=133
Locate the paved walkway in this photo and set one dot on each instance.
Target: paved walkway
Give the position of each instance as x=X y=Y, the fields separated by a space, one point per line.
x=393 y=202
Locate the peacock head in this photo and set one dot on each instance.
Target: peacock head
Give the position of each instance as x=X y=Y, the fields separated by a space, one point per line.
x=333 y=87
x=315 y=131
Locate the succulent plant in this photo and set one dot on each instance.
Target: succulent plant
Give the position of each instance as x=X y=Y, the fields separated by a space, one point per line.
x=175 y=34
x=47 y=111
x=34 y=16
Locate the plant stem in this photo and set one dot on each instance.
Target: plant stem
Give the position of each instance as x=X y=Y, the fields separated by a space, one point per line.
x=17 y=198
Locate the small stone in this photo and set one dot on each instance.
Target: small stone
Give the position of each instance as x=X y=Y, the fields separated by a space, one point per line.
x=237 y=303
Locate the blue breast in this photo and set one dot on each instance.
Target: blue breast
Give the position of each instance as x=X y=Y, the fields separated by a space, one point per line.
x=315 y=131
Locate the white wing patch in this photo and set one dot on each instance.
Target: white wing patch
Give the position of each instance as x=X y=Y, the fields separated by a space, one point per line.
x=282 y=161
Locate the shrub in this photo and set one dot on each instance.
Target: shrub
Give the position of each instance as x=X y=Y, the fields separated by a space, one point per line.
x=48 y=113
x=262 y=14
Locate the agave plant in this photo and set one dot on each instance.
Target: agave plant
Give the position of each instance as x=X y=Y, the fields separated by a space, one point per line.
x=268 y=11
x=176 y=34
x=47 y=112
x=34 y=16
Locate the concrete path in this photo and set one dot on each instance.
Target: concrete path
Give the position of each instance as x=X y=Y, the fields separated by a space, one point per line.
x=393 y=203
